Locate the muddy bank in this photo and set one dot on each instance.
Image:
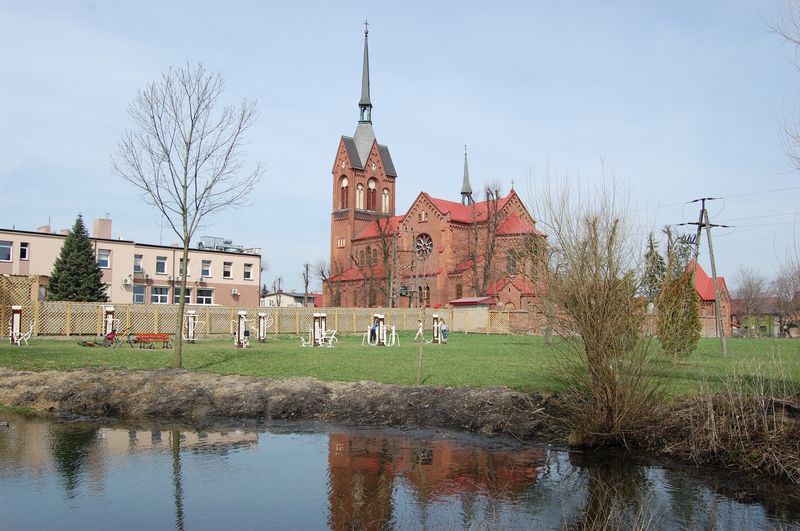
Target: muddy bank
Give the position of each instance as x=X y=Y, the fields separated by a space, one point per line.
x=198 y=398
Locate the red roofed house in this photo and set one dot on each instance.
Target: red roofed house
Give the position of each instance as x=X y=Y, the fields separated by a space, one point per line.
x=704 y=285
x=434 y=252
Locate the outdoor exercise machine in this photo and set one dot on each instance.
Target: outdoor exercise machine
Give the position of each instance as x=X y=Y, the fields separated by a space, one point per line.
x=190 y=325
x=241 y=335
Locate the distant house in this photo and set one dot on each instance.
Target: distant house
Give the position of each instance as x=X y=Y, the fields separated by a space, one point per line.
x=218 y=272
x=765 y=322
x=285 y=299
x=704 y=286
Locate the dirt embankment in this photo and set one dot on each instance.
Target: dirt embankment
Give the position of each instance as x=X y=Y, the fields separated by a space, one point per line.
x=197 y=397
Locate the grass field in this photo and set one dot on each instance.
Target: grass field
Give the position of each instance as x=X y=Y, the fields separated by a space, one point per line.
x=519 y=362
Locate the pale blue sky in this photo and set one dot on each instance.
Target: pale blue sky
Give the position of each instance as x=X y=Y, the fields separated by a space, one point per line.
x=684 y=98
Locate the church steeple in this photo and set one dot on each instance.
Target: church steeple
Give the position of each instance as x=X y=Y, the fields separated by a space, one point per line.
x=466 y=189
x=364 y=104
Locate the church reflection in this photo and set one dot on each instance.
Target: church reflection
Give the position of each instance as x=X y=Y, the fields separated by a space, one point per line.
x=364 y=472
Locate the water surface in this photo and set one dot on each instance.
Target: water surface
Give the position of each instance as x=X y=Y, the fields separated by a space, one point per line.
x=74 y=475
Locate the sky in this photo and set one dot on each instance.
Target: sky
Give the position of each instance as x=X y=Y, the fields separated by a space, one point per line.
x=682 y=99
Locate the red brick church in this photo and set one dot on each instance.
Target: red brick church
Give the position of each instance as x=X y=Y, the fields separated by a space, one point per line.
x=437 y=251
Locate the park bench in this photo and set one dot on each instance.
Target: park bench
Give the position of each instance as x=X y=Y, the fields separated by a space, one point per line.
x=150 y=340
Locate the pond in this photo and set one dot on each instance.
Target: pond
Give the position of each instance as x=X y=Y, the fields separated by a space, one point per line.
x=80 y=475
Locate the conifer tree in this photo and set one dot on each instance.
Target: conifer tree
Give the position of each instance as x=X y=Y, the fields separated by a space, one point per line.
x=76 y=275
x=654 y=270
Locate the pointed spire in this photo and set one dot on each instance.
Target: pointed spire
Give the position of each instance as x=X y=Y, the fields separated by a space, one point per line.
x=466 y=189
x=364 y=103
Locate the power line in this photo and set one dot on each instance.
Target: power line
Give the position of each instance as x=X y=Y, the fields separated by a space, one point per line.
x=745 y=194
x=765 y=216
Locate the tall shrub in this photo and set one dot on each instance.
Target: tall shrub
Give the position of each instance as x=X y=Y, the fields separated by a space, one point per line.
x=594 y=274
x=678 y=305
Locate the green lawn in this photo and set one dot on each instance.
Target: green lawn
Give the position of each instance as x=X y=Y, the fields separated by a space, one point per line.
x=518 y=362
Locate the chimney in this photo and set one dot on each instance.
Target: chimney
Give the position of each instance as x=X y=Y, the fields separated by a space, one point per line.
x=45 y=229
x=102 y=228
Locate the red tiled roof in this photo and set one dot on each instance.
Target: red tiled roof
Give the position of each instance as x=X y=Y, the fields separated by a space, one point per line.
x=465 y=213
x=516 y=225
x=373 y=231
x=524 y=286
x=465 y=264
x=704 y=285
x=471 y=301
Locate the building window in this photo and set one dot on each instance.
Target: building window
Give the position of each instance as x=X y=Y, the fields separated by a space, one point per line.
x=159 y=295
x=161 y=265
x=459 y=291
x=104 y=258
x=206 y=269
x=343 y=202
x=227 y=268
x=375 y=256
x=385 y=201
x=205 y=296
x=362 y=260
x=372 y=195
x=180 y=266
x=360 y=197
x=138 y=293
x=373 y=296
x=248 y=271
x=5 y=251
x=137 y=263
x=23 y=250
x=422 y=217
x=511 y=263
x=340 y=243
x=187 y=298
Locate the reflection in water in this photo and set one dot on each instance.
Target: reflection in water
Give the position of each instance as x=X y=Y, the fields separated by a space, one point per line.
x=363 y=471
x=615 y=492
x=71 y=445
x=74 y=476
x=176 y=478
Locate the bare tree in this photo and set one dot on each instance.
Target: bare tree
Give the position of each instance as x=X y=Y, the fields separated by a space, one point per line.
x=483 y=239
x=786 y=287
x=306 y=275
x=277 y=289
x=185 y=155
x=752 y=291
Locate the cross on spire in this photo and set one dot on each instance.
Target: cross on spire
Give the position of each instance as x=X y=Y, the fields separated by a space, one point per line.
x=366 y=27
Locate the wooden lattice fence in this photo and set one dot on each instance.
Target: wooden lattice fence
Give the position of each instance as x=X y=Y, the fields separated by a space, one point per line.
x=52 y=318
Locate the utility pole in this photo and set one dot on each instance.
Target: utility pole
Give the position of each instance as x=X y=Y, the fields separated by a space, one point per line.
x=704 y=222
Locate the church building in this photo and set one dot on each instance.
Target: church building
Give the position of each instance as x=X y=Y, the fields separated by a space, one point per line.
x=437 y=251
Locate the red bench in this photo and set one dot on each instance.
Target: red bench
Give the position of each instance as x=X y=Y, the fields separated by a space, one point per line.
x=150 y=340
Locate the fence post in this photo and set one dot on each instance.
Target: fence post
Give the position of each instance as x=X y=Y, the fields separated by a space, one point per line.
x=36 y=315
x=128 y=319
x=99 y=320
x=68 y=324
x=208 y=322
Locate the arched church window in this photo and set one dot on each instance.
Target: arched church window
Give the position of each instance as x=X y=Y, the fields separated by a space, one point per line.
x=372 y=194
x=343 y=203
x=375 y=256
x=360 y=197
x=385 y=201
x=459 y=291
x=361 y=258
